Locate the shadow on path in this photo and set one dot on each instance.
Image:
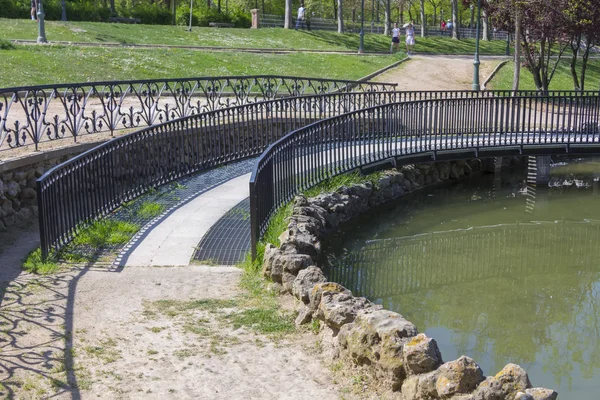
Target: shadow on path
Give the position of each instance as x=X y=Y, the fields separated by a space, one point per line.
x=36 y=323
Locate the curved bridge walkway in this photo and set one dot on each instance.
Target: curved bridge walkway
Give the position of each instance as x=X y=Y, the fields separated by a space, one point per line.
x=173 y=237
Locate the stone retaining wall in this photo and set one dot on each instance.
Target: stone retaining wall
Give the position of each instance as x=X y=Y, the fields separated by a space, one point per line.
x=364 y=333
x=18 y=196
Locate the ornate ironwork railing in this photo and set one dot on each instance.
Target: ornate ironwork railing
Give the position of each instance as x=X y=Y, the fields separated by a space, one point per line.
x=34 y=114
x=409 y=131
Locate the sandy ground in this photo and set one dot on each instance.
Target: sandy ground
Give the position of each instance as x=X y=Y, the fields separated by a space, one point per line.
x=104 y=333
x=165 y=332
x=437 y=73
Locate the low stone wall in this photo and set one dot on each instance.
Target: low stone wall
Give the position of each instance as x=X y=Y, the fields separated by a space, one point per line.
x=364 y=333
x=18 y=196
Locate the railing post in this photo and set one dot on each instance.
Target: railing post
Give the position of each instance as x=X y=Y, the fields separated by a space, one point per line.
x=41 y=219
x=254 y=227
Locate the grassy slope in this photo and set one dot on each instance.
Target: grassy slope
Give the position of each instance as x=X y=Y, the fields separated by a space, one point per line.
x=271 y=38
x=61 y=64
x=561 y=81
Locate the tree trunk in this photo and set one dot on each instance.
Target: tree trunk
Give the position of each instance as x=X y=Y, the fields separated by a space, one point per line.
x=401 y=12
x=387 y=16
x=575 y=46
x=112 y=7
x=423 y=18
x=455 y=19
x=340 y=17
x=288 y=23
x=584 y=63
x=485 y=27
x=174 y=11
x=517 y=74
x=434 y=16
x=334 y=10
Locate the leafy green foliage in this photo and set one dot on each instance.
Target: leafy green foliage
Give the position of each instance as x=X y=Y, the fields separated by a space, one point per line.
x=263 y=320
x=6 y=45
x=35 y=265
x=106 y=233
x=149 y=209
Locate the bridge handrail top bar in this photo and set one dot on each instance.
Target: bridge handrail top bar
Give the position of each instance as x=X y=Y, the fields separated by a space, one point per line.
x=284 y=138
x=176 y=80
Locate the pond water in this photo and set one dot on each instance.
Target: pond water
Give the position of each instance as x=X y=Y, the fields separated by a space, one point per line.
x=491 y=268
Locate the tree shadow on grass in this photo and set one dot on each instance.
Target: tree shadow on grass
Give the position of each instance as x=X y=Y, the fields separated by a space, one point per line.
x=350 y=41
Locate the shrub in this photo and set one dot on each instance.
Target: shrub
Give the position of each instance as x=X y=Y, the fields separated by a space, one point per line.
x=149 y=14
x=241 y=18
x=6 y=45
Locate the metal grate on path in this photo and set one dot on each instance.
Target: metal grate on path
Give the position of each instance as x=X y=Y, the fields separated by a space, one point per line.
x=228 y=241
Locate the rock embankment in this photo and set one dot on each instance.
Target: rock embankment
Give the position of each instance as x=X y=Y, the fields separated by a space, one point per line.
x=364 y=333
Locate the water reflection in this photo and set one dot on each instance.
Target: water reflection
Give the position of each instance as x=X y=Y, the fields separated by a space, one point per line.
x=489 y=273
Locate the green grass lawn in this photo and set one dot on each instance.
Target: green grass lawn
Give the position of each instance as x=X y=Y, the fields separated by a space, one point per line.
x=36 y=65
x=561 y=81
x=268 y=38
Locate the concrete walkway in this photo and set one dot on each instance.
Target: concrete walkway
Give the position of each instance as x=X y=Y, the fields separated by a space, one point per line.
x=173 y=241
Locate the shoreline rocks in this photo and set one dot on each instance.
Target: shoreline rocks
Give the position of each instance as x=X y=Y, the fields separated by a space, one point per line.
x=364 y=333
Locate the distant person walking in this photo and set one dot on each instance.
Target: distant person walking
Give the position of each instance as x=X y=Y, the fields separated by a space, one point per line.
x=301 y=14
x=410 y=38
x=33 y=10
x=395 y=38
x=443 y=26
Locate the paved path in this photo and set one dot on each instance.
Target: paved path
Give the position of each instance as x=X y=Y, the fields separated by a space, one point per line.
x=172 y=242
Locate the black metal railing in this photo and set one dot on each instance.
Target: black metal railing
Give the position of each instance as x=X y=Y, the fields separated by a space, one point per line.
x=321 y=150
x=35 y=114
x=96 y=182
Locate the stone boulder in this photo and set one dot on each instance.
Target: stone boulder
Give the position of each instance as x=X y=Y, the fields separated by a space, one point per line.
x=459 y=376
x=376 y=338
x=338 y=309
x=504 y=385
x=294 y=240
x=13 y=189
x=542 y=394
x=421 y=355
x=421 y=387
x=325 y=287
x=305 y=281
x=444 y=171
x=523 y=396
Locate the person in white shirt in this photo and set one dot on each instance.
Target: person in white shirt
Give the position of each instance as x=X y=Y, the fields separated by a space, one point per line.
x=300 y=20
x=395 y=38
x=410 y=38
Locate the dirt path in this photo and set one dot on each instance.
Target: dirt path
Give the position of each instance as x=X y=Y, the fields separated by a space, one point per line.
x=437 y=73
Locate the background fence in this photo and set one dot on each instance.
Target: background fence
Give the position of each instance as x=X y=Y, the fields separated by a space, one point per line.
x=319 y=151
x=35 y=114
x=322 y=24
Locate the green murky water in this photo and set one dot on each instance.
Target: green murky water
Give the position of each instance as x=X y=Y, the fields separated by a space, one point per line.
x=490 y=269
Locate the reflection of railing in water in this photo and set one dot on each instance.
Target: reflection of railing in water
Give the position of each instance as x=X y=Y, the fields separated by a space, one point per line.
x=403 y=265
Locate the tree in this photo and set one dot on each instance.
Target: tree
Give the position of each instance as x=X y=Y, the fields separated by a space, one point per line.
x=543 y=38
x=435 y=4
x=288 y=23
x=455 y=19
x=517 y=74
x=582 y=17
x=543 y=33
x=340 y=17
x=485 y=28
x=388 y=17
x=423 y=21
